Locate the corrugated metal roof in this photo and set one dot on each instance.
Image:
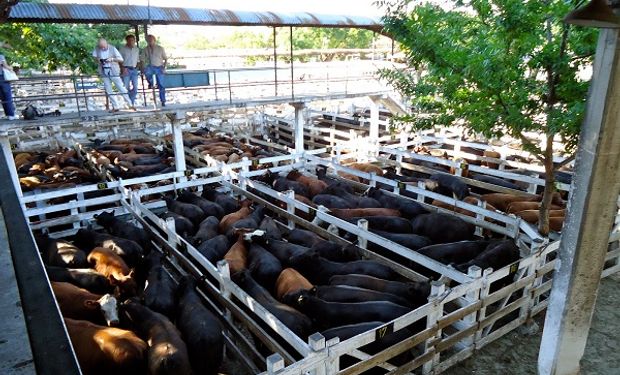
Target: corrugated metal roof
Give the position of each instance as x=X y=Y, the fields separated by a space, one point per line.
x=134 y=14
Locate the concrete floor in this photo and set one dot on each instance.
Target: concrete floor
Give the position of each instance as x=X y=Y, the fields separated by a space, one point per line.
x=15 y=354
x=517 y=354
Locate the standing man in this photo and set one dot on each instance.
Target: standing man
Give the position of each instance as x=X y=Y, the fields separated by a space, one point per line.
x=131 y=61
x=155 y=59
x=108 y=59
x=6 y=92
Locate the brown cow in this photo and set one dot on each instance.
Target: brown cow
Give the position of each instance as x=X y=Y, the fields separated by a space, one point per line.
x=314 y=185
x=112 y=266
x=105 y=350
x=523 y=206
x=468 y=199
x=78 y=303
x=532 y=216
x=367 y=167
x=491 y=154
x=232 y=218
x=291 y=281
x=237 y=255
x=347 y=213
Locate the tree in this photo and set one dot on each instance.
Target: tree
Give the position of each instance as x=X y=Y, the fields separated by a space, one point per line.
x=495 y=67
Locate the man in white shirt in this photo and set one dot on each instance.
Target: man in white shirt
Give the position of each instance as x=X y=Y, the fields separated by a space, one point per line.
x=131 y=63
x=108 y=58
x=155 y=60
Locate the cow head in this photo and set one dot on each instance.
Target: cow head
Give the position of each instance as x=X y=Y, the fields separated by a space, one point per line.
x=107 y=305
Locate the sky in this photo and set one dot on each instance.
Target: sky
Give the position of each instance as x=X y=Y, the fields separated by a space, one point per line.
x=348 y=7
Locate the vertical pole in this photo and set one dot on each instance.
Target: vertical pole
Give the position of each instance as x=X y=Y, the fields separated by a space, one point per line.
x=292 y=68
x=275 y=61
x=299 y=127
x=374 y=124
x=136 y=31
x=177 y=139
x=8 y=155
x=591 y=213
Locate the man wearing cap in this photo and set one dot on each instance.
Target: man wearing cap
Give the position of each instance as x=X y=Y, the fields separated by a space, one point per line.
x=108 y=59
x=155 y=59
x=131 y=61
x=6 y=92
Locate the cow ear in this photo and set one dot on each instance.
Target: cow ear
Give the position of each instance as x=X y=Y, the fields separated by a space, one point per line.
x=301 y=299
x=91 y=304
x=112 y=280
x=313 y=290
x=131 y=273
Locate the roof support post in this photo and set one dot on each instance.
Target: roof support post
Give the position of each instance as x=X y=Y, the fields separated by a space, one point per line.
x=374 y=122
x=177 y=139
x=299 y=126
x=275 y=61
x=591 y=214
x=292 y=68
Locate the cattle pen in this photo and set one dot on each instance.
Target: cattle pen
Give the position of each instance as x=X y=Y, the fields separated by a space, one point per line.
x=465 y=310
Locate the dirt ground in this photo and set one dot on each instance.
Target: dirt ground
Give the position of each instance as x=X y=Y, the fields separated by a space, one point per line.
x=517 y=354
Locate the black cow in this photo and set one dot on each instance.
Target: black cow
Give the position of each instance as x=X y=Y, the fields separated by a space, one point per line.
x=448 y=184
x=407 y=207
x=454 y=252
x=264 y=266
x=355 y=200
x=228 y=204
x=60 y=253
x=201 y=330
x=347 y=293
x=297 y=322
x=331 y=201
x=207 y=230
x=442 y=228
x=159 y=293
x=86 y=278
x=392 y=224
x=209 y=208
x=194 y=213
x=318 y=269
x=283 y=184
x=167 y=352
x=271 y=228
x=183 y=226
x=334 y=314
x=124 y=229
x=498 y=254
x=215 y=248
x=284 y=251
x=416 y=292
x=412 y=241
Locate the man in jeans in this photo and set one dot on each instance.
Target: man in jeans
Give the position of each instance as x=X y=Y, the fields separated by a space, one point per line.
x=108 y=59
x=155 y=59
x=6 y=92
x=131 y=62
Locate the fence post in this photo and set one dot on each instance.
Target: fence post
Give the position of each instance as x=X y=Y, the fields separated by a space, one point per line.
x=362 y=242
x=484 y=292
x=316 y=342
x=472 y=296
x=290 y=207
x=275 y=363
x=224 y=271
x=437 y=290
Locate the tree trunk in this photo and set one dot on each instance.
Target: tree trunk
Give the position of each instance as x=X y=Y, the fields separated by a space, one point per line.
x=543 y=213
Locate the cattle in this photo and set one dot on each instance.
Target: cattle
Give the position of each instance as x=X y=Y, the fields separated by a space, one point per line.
x=228 y=204
x=332 y=201
x=228 y=220
x=264 y=266
x=249 y=222
x=269 y=226
x=237 y=255
x=297 y=322
x=123 y=229
x=449 y=185
x=318 y=269
x=60 y=253
x=188 y=210
x=515 y=207
x=348 y=213
x=314 y=185
x=498 y=254
x=107 y=263
x=495 y=181
x=442 y=228
x=207 y=230
x=167 y=352
x=406 y=207
x=106 y=350
x=291 y=281
x=200 y=329
x=463 y=211
x=332 y=314
x=556 y=223
x=284 y=251
x=337 y=253
x=455 y=252
x=416 y=292
x=502 y=201
x=208 y=208
x=78 y=303
x=215 y=248
x=129 y=250
x=491 y=154
x=182 y=225
x=85 y=278
x=347 y=293
x=304 y=237
x=386 y=223
x=355 y=201
x=367 y=167
x=283 y=184
x=411 y=241
x=160 y=290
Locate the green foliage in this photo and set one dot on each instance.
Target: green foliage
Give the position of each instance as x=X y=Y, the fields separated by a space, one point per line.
x=494 y=66
x=54 y=46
